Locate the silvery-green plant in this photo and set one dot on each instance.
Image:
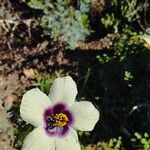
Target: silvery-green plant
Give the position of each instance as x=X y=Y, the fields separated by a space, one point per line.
x=63 y=20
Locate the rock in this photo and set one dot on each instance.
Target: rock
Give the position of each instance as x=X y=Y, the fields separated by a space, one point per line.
x=29 y=73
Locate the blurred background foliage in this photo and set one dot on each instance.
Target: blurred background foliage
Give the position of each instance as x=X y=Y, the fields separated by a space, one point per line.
x=117 y=81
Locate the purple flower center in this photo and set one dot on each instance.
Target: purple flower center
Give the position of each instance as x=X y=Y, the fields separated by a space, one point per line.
x=57 y=120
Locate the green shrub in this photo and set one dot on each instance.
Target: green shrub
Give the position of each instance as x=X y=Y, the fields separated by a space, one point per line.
x=122 y=13
x=143 y=140
x=112 y=144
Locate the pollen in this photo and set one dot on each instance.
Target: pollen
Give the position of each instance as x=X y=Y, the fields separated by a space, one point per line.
x=60 y=119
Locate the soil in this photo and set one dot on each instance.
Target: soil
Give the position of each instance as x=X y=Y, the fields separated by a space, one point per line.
x=23 y=47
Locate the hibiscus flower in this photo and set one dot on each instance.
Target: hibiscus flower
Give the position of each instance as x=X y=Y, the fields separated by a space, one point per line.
x=56 y=117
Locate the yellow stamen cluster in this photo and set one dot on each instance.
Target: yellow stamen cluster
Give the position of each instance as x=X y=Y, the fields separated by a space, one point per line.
x=61 y=119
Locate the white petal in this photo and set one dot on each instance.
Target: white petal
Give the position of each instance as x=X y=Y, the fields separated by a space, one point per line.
x=38 y=140
x=86 y=115
x=70 y=142
x=63 y=90
x=32 y=106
